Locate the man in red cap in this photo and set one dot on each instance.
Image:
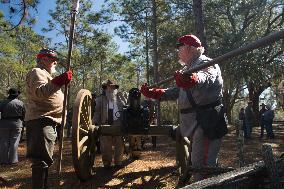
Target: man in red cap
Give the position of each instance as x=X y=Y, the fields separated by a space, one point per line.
x=199 y=96
x=44 y=110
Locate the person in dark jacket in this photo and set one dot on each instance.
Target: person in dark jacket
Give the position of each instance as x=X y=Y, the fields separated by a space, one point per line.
x=249 y=120
x=11 y=124
x=261 y=113
x=268 y=117
x=242 y=117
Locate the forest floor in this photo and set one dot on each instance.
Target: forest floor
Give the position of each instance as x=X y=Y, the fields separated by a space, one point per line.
x=155 y=168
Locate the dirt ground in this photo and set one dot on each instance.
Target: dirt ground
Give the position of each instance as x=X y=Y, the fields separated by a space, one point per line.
x=155 y=169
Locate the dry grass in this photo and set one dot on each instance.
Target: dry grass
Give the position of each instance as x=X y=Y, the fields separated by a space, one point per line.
x=155 y=168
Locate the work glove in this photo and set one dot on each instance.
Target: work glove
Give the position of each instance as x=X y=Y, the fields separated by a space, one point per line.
x=62 y=79
x=184 y=80
x=154 y=93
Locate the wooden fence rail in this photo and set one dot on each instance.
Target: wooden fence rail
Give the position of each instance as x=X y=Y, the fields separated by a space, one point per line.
x=262 y=174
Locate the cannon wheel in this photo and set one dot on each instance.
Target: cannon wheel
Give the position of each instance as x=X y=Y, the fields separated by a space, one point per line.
x=83 y=136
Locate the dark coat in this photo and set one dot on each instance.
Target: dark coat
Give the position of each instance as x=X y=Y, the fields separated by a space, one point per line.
x=12 y=113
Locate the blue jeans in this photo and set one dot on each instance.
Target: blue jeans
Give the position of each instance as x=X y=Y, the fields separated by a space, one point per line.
x=9 y=141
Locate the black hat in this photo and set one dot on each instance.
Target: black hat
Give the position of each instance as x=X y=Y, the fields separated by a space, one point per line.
x=109 y=83
x=134 y=93
x=14 y=92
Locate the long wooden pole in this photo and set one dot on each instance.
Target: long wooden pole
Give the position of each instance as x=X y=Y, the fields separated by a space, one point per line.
x=66 y=91
x=262 y=42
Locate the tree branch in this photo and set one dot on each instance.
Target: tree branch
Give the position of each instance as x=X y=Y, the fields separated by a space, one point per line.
x=22 y=18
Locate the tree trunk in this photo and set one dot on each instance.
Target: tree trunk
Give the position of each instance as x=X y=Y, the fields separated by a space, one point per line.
x=199 y=22
x=251 y=90
x=254 y=93
x=227 y=104
x=8 y=79
x=138 y=75
x=147 y=50
x=255 y=100
x=155 y=43
x=155 y=53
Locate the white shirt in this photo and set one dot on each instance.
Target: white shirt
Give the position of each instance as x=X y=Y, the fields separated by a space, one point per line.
x=113 y=105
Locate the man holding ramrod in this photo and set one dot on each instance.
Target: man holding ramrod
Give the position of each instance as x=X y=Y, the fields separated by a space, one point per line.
x=44 y=111
x=201 y=111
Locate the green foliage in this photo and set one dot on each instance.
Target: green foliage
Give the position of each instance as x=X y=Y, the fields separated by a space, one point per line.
x=94 y=58
x=17 y=56
x=229 y=24
x=233 y=24
x=19 y=14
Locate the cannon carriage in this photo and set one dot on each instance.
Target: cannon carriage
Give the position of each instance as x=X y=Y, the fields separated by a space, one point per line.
x=85 y=133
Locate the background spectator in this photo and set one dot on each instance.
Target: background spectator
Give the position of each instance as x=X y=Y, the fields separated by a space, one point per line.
x=261 y=120
x=11 y=123
x=108 y=106
x=242 y=117
x=268 y=117
x=249 y=120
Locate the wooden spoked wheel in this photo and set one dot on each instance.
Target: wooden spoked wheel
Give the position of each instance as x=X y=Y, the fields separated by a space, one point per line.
x=83 y=136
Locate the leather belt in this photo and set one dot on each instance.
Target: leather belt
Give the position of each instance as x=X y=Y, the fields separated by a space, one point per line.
x=201 y=107
x=12 y=118
x=187 y=110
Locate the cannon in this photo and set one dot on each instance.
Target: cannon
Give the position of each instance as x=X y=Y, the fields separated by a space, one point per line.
x=85 y=134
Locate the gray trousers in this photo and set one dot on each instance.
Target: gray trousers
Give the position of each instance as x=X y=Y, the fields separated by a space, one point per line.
x=106 y=149
x=41 y=136
x=204 y=151
x=9 y=141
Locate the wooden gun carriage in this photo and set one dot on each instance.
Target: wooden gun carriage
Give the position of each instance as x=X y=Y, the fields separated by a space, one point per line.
x=85 y=134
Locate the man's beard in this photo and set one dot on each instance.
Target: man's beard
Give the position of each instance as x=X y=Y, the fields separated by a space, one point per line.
x=52 y=69
x=111 y=95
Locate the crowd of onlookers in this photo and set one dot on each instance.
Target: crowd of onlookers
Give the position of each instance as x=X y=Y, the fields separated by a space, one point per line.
x=265 y=116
